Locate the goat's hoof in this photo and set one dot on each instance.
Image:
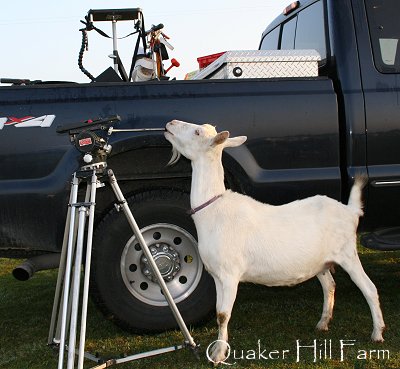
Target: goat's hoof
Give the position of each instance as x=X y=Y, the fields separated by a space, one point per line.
x=218 y=358
x=377 y=335
x=377 y=338
x=218 y=352
x=322 y=327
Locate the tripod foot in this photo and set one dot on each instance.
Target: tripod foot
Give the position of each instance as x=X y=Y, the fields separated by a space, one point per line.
x=195 y=349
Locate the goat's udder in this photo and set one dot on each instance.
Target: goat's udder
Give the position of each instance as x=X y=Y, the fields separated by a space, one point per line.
x=330 y=265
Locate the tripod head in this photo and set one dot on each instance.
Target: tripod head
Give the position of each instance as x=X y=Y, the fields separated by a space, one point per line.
x=90 y=139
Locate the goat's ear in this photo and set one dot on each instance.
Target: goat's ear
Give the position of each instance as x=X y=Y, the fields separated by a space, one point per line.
x=220 y=138
x=235 y=141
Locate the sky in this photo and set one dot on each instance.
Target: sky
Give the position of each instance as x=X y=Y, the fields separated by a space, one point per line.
x=41 y=39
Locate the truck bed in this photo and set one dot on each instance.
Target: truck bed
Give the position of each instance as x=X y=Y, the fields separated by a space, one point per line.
x=292 y=149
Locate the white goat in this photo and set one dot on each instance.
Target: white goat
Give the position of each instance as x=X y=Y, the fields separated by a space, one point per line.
x=243 y=240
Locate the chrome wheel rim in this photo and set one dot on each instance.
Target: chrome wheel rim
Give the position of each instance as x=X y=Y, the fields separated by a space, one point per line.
x=176 y=254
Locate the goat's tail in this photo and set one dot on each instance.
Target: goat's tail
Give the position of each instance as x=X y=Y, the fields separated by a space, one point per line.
x=355 y=198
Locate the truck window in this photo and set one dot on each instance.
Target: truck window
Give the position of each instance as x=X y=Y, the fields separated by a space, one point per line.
x=288 y=34
x=270 y=41
x=383 y=19
x=304 y=31
x=310 y=31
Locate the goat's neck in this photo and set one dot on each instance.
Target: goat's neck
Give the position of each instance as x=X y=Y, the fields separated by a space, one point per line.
x=207 y=180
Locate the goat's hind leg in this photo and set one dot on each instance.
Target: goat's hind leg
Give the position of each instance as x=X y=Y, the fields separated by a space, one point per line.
x=354 y=268
x=328 y=288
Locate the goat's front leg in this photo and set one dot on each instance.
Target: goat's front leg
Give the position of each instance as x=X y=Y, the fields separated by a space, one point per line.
x=226 y=295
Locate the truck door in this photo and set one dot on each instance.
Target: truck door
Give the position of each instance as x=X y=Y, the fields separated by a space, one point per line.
x=378 y=37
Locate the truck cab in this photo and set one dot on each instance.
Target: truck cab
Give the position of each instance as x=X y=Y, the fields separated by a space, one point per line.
x=362 y=57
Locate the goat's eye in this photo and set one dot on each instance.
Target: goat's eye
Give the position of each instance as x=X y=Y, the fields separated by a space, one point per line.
x=197 y=132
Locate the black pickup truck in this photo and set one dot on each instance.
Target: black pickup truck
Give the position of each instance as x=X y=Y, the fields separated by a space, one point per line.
x=306 y=136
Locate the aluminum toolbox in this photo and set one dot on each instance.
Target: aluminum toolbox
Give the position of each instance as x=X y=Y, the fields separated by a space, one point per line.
x=262 y=64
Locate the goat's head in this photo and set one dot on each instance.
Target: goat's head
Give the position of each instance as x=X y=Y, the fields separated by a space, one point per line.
x=194 y=141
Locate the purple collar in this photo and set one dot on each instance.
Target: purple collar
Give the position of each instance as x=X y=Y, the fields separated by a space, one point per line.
x=201 y=207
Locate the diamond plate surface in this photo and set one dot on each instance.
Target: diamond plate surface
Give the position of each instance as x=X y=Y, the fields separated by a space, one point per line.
x=263 y=64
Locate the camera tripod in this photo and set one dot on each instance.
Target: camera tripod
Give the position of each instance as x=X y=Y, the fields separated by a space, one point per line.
x=64 y=320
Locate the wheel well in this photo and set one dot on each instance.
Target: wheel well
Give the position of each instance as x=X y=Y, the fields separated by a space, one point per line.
x=143 y=169
x=235 y=177
x=106 y=201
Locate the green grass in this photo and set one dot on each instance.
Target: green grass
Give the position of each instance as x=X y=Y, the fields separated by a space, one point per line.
x=277 y=317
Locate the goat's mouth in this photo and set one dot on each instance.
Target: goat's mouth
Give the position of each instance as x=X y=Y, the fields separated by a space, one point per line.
x=168 y=131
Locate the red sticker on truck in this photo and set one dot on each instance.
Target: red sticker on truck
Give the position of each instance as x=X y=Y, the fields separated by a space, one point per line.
x=43 y=121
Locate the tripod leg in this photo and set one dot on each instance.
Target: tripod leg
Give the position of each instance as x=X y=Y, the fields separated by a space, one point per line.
x=68 y=267
x=76 y=287
x=82 y=337
x=54 y=332
x=142 y=242
x=58 y=329
x=61 y=272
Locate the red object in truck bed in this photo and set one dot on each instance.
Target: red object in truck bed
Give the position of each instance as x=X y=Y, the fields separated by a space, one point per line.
x=204 y=61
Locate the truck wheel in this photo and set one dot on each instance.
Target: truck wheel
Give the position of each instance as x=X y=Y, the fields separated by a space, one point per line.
x=122 y=283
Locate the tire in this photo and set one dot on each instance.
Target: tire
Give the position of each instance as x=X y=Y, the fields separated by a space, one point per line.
x=122 y=284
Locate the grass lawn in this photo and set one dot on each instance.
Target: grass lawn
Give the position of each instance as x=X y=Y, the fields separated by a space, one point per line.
x=270 y=327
